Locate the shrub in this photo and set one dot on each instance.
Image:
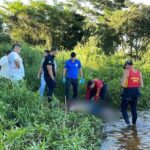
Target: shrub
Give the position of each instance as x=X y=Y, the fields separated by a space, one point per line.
x=25 y=123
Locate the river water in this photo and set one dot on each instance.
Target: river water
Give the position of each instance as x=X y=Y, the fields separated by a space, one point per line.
x=119 y=137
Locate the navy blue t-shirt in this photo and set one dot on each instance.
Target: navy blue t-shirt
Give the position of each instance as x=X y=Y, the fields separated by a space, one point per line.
x=72 y=68
x=49 y=60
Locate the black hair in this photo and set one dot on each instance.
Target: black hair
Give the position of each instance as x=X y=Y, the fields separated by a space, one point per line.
x=90 y=82
x=73 y=54
x=15 y=46
x=47 y=51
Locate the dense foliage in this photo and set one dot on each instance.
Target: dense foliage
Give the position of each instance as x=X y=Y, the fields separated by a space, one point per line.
x=27 y=123
x=42 y=24
x=115 y=25
x=103 y=38
x=95 y=65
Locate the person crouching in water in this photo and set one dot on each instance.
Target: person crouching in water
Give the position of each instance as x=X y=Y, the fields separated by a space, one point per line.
x=131 y=82
x=96 y=90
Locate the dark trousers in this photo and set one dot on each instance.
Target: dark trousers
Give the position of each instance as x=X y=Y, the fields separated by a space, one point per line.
x=74 y=83
x=51 y=84
x=133 y=105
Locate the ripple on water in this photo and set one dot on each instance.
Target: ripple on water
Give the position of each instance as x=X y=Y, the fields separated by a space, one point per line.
x=119 y=137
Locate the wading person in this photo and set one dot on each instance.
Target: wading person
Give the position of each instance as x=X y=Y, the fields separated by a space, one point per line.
x=96 y=90
x=4 y=66
x=49 y=73
x=131 y=82
x=70 y=75
x=16 y=67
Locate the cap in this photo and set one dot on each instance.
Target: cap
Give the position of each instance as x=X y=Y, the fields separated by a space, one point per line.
x=128 y=62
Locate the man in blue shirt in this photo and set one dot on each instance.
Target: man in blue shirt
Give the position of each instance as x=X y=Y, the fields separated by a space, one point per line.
x=70 y=75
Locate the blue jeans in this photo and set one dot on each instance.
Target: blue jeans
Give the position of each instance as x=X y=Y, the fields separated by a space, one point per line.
x=42 y=86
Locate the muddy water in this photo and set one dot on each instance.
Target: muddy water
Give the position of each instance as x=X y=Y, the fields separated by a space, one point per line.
x=120 y=137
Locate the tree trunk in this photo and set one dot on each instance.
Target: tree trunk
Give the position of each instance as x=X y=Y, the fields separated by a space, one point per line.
x=136 y=57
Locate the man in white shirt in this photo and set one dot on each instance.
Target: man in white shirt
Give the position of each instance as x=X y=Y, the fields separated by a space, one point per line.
x=16 y=64
x=4 y=66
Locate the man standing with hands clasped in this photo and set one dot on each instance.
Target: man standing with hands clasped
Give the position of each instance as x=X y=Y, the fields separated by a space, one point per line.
x=70 y=75
x=131 y=82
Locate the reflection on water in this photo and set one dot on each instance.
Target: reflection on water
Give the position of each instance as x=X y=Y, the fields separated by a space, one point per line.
x=129 y=139
x=120 y=137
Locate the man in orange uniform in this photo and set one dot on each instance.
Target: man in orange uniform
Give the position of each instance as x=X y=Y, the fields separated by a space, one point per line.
x=131 y=82
x=95 y=90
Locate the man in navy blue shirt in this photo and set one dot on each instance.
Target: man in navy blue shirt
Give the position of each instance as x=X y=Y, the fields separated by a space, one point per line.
x=49 y=73
x=70 y=75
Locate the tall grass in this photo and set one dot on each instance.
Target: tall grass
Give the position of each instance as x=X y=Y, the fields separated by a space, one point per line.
x=95 y=64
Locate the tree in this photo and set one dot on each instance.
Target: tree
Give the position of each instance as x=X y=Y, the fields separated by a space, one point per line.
x=96 y=25
x=132 y=27
x=40 y=23
x=95 y=7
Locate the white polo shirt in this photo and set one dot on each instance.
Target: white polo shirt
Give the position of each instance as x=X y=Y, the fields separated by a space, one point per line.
x=16 y=74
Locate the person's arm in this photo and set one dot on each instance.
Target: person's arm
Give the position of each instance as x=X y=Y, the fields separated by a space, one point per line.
x=17 y=63
x=88 y=92
x=81 y=72
x=16 y=59
x=124 y=78
x=50 y=72
x=64 y=72
x=39 y=72
x=80 y=69
x=97 y=96
x=141 y=80
x=98 y=92
x=65 y=69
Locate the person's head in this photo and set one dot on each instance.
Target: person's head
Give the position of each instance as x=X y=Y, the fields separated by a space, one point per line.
x=53 y=52
x=46 y=52
x=128 y=64
x=73 y=56
x=16 y=48
x=91 y=84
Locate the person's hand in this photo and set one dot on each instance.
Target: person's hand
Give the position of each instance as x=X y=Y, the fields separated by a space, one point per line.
x=54 y=80
x=96 y=98
x=64 y=79
x=82 y=80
